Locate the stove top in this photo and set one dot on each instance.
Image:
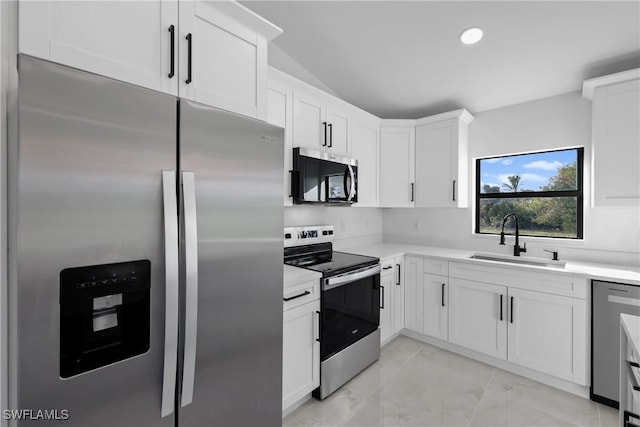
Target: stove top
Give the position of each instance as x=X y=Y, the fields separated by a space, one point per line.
x=311 y=248
x=332 y=263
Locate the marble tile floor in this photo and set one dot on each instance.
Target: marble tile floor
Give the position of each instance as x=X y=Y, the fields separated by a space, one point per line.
x=416 y=384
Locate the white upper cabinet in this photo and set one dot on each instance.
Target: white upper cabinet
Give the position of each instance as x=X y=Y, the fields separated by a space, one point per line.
x=280 y=113
x=309 y=121
x=397 y=148
x=210 y=52
x=441 y=160
x=223 y=56
x=615 y=138
x=364 y=148
x=129 y=41
x=318 y=123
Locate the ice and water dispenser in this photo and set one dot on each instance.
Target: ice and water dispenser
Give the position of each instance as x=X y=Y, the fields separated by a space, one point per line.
x=104 y=315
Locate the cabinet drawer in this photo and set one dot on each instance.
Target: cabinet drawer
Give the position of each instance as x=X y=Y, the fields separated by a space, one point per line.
x=387 y=266
x=436 y=266
x=297 y=295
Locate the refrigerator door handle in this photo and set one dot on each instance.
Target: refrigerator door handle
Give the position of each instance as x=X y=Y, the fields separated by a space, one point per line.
x=191 y=300
x=170 y=206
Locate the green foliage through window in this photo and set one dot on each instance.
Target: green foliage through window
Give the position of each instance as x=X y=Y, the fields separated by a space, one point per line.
x=543 y=189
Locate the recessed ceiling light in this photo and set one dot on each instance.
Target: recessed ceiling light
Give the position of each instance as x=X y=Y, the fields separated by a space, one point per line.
x=471 y=35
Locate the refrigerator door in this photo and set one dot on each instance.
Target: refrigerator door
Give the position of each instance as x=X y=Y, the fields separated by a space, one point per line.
x=86 y=190
x=233 y=368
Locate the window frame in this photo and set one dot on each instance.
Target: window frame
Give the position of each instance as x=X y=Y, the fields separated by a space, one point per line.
x=578 y=193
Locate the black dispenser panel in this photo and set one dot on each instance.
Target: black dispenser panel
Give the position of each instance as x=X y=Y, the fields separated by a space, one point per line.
x=104 y=315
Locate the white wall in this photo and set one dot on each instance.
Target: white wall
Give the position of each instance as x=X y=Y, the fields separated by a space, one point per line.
x=353 y=226
x=610 y=235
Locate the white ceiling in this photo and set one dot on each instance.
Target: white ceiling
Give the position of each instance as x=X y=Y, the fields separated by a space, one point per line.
x=402 y=59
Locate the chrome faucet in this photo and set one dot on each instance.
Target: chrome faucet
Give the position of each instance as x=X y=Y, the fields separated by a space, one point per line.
x=517 y=250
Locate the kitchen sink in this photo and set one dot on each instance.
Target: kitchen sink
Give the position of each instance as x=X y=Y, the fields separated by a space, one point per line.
x=537 y=262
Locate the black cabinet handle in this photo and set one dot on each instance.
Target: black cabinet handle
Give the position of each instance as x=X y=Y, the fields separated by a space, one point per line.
x=398 y=281
x=297 y=296
x=627 y=419
x=412 y=185
x=382 y=305
x=443 y=294
x=318 y=313
x=501 y=307
x=454 y=190
x=325 y=134
x=511 y=309
x=330 y=135
x=189 y=53
x=387 y=267
x=172 y=31
x=632 y=375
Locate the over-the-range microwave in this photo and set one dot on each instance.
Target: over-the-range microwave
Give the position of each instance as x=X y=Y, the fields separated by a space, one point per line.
x=323 y=178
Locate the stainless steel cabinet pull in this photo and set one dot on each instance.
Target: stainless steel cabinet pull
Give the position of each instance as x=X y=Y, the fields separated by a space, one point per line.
x=297 y=296
x=172 y=31
x=511 y=309
x=398 y=281
x=382 y=289
x=171 y=277
x=191 y=297
x=189 y=57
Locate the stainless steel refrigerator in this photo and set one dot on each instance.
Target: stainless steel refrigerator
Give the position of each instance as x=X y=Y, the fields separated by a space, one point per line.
x=145 y=257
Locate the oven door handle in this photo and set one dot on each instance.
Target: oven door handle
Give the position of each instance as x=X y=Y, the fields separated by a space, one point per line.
x=334 y=282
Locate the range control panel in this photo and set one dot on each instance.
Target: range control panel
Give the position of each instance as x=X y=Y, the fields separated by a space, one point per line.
x=297 y=236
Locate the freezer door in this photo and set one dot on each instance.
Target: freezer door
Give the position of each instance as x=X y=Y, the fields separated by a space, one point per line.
x=232 y=370
x=86 y=190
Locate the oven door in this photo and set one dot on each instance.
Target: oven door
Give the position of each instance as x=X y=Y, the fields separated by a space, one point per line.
x=350 y=309
x=320 y=177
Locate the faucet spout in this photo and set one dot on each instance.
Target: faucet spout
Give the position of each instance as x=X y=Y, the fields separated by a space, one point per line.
x=517 y=250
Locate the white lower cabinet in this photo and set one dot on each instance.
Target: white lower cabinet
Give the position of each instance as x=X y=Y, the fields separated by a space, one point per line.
x=543 y=332
x=477 y=319
x=436 y=305
x=413 y=293
x=300 y=352
x=391 y=298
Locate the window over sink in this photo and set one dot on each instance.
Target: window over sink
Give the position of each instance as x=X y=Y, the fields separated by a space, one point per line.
x=544 y=190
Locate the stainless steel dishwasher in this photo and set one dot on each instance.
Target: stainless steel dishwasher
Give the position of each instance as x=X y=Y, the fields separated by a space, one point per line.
x=608 y=301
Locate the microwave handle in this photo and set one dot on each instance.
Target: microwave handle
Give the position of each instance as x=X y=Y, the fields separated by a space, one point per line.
x=352 y=188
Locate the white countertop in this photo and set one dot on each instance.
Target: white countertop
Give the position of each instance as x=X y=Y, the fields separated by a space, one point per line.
x=631 y=325
x=610 y=272
x=294 y=276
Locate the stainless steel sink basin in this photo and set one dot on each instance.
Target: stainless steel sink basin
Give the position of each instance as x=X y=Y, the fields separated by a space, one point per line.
x=537 y=262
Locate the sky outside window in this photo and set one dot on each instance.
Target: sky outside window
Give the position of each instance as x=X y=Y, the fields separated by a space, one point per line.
x=535 y=170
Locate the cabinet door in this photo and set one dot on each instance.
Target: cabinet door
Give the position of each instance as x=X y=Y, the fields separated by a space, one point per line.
x=338 y=126
x=436 y=303
x=434 y=162
x=413 y=293
x=542 y=333
x=300 y=352
x=398 y=294
x=226 y=66
x=475 y=313
x=386 y=307
x=308 y=118
x=364 y=148
x=616 y=145
x=397 y=167
x=280 y=113
x=128 y=41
